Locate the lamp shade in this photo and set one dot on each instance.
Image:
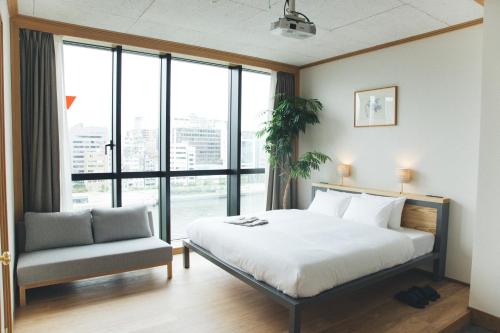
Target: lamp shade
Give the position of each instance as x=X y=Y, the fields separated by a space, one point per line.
x=404 y=175
x=344 y=170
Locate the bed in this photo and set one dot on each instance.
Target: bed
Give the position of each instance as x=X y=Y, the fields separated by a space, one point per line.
x=301 y=258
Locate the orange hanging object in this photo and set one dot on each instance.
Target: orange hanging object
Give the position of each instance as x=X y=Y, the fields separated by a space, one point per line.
x=69 y=101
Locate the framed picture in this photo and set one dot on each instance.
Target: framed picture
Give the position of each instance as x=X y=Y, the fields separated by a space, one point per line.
x=376 y=107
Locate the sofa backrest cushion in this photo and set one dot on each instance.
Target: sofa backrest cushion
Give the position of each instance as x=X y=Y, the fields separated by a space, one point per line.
x=54 y=230
x=112 y=224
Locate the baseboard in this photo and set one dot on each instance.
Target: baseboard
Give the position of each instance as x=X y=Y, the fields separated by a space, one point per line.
x=458 y=281
x=485 y=320
x=447 y=278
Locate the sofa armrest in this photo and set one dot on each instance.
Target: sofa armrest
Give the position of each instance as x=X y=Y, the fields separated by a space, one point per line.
x=151 y=222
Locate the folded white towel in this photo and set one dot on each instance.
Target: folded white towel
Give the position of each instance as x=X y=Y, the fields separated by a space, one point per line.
x=248 y=222
x=243 y=220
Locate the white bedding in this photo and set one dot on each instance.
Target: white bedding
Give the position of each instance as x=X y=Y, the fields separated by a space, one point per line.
x=423 y=242
x=303 y=253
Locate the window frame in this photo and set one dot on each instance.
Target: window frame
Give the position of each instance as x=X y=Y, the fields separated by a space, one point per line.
x=233 y=171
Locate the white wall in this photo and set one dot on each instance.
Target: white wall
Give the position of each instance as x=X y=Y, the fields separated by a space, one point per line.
x=439 y=81
x=4 y=12
x=485 y=282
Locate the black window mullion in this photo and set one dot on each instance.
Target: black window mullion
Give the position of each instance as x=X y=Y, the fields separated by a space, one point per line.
x=195 y=173
x=92 y=176
x=234 y=158
x=117 y=152
x=252 y=171
x=165 y=228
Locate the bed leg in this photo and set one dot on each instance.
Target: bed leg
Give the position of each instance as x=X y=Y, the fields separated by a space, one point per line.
x=185 y=255
x=294 y=320
x=438 y=270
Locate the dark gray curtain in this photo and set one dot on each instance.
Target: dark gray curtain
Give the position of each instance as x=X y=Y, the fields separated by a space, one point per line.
x=40 y=133
x=285 y=87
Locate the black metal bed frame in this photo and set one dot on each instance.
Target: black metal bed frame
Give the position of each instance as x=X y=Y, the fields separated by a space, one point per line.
x=295 y=305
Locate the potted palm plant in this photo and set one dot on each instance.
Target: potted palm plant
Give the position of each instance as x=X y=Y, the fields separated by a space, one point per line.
x=290 y=117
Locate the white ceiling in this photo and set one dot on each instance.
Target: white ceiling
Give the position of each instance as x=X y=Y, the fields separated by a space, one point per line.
x=242 y=26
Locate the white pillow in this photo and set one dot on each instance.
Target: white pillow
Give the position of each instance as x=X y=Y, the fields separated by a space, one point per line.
x=368 y=211
x=397 y=209
x=344 y=195
x=329 y=204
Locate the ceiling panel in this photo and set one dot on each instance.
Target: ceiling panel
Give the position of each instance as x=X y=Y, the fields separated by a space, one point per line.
x=333 y=14
x=449 y=11
x=74 y=12
x=210 y=17
x=392 y=25
x=261 y=4
x=242 y=26
x=167 y=32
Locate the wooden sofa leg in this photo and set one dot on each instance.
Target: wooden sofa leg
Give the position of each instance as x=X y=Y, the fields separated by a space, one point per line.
x=22 y=296
x=169 y=268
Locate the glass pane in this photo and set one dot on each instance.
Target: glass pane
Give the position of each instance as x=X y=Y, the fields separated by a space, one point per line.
x=143 y=191
x=88 y=87
x=88 y=194
x=195 y=197
x=255 y=98
x=140 y=112
x=199 y=116
x=253 y=193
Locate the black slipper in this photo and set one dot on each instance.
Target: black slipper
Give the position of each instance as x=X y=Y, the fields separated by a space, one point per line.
x=420 y=293
x=410 y=299
x=431 y=293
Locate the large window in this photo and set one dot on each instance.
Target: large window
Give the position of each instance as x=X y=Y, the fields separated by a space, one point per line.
x=140 y=112
x=198 y=116
x=90 y=121
x=176 y=135
x=194 y=197
x=255 y=104
x=88 y=194
x=253 y=194
x=88 y=84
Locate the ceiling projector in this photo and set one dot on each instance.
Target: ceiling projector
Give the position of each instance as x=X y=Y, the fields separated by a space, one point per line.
x=293 y=24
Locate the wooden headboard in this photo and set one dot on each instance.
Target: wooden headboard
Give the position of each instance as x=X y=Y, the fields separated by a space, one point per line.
x=421 y=212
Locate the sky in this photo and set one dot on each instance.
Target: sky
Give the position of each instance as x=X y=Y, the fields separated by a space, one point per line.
x=195 y=89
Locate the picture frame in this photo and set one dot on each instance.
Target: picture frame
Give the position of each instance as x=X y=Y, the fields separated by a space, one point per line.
x=376 y=107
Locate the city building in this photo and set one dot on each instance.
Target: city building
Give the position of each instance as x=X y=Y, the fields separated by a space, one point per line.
x=87 y=149
x=208 y=137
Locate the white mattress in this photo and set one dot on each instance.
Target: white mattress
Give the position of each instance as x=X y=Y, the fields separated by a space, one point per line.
x=302 y=253
x=423 y=242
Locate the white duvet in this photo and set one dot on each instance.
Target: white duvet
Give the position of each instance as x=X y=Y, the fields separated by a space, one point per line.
x=302 y=253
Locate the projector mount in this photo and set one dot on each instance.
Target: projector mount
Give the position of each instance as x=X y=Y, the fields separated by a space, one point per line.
x=293 y=24
x=290 y=13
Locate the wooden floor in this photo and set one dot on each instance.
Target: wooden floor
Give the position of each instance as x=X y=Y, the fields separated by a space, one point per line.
x=207 y=299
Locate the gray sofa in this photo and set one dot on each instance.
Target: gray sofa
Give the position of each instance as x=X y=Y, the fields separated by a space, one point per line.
x=61 y=247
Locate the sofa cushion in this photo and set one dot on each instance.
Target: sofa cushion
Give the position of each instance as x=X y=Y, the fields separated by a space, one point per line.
x=111 y=224
x=91 y=260
x=53 y=230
